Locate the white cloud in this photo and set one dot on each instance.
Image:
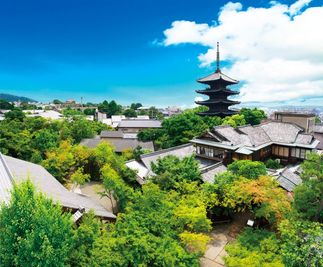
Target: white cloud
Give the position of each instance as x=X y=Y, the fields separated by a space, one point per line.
x=277 y=51
x=298 y=5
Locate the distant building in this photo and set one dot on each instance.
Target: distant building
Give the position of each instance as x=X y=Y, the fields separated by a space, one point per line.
x=304 y=120
x=171 y=111
x=318 y=134
x=218 y=103
x=119 y=140
x=285 y=141
x=209 y=168
x=135 y=125
x=47 y=114
x=14 y=170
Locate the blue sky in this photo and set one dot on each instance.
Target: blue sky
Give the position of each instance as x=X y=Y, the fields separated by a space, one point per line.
x=105 y=49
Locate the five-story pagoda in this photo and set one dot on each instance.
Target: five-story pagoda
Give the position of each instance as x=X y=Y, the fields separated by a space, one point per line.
x=218 y=93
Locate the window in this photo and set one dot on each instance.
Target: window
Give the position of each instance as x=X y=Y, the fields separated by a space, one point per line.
x=280 y=151
x=299 y=153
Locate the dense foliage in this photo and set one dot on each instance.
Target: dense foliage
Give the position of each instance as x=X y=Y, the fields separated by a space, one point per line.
x=33 y=231
x=29 y=138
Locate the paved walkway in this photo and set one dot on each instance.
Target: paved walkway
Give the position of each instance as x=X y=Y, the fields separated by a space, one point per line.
x=91 y=188
x=213 y=256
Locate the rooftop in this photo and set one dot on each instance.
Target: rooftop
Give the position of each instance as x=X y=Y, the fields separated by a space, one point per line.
x=216 y=76
x=294 y=114
x=21 y=170
x=139 y=123
x=252 y=138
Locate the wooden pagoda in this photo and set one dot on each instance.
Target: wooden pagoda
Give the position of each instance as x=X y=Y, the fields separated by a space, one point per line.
x=218 y=103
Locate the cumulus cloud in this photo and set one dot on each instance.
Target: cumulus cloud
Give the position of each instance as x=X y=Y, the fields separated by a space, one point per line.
x=276 y=52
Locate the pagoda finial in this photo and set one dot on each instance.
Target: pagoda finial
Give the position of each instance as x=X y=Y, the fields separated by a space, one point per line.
x=217 y=58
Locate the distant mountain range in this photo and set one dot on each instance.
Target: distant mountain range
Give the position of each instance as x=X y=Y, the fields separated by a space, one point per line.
x=13 y=98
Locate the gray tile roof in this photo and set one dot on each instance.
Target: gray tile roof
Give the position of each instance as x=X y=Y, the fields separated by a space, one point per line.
x=119 y=144
x=256 y=137
x=209 y=172
x=46 y=183
x=5 y=181
x=139 y=124
x=217 y=76
x=288 y=179
x=305 y=139
x=178 y=151
x=111 y=134
x=90 y=142
x=318 y=128
x=281 y=132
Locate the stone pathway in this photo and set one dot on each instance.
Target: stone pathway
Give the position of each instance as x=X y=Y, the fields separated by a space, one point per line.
x=213 y=256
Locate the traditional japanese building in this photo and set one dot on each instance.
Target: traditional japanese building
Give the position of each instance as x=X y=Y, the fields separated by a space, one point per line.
x=218 y=103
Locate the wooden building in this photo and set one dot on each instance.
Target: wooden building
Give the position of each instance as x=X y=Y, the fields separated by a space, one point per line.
x=218 y=103
x=285 y=141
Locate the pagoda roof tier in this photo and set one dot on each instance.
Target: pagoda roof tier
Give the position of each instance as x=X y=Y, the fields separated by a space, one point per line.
x=212 y=91
x=217 y=76
x=217 y=101
x=219 y=113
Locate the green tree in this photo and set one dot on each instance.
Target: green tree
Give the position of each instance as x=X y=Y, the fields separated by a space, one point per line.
x=146 y=234
x=130 y=113
x=253 y=116
x=248 y=168
x=254 y=248
x=234 y=120
x=273 y=164
x=33 y=230
x=110 y=108
x=90 y=230
x=135 y=106
x=5 y=105
x=171 y=170
x=15 y=114
x=45 y=140
x=56 y=102
x=302 y=243
x=308 y=200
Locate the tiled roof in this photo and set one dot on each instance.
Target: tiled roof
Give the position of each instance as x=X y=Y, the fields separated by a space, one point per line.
x=119 y=144
x=256 y=137
x=318 y=128
x=178 y=151
x=209 y=172
x=111 y=134
x=6 y=181
x=46 y=183
x=305 y=139
x=281 y=131
x=288 y=179
x=217 y=76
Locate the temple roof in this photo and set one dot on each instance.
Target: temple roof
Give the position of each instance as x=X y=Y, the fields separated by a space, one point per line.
x=218 y=75
x=211 y=91
x=216 y=101
x=218 y=113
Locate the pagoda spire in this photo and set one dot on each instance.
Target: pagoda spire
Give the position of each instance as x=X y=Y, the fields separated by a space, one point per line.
x=217 y=58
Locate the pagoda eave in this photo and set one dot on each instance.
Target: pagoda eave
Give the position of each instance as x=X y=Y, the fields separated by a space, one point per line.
x=227 y=102
x=218 y=113
x=210 y=91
